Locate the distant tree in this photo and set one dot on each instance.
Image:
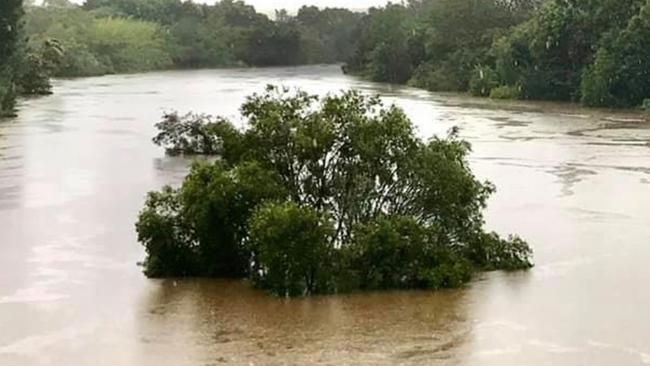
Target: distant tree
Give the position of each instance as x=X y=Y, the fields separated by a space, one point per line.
x=620 y=74
x=38 y=66
x=125 y=45
x=11 y=12
x=384 y=50
x=328 y=35
x=546 y=57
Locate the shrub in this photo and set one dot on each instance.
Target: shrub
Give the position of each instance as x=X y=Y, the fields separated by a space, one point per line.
x=188 y=134
x=171 y=248
x=317 y=196
x=206 y=220
x=127 y=45
x=595 y=86
x=491 y=252
x=292 y=250
x=483 y=80
x=620 y=75
x=399 y=252
x=506 y=92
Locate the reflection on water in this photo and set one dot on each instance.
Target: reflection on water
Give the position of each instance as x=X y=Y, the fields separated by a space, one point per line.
x=75 y=168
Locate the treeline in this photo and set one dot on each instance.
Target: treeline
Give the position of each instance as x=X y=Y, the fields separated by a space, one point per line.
x=321 y=195
x=62 y=39
x=118 y=36
x=594 y=51
x=10 y=15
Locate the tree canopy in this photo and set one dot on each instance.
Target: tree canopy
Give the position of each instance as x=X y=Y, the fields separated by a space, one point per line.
x=321 y=195
x=106 y=36
x=593 y=51
x=10 y=23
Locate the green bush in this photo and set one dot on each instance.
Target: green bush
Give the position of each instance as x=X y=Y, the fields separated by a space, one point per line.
x=490 y=252
x=189 y=134
x=620 y=74
x=319 y=196
x=646 y=105
x=441 y=77
x=484 y=79
x=506 y=92
x=595 y=87
x=292 y=250
x=400 y=252
x=11 y=12
x=206 y=220
x=7 y=93
x=126 y=45
x=171 y=248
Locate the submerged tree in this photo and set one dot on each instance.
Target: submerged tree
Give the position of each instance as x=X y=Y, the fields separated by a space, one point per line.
x=324 y=195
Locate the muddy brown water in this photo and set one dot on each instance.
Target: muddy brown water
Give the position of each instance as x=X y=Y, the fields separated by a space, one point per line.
x=75 y=167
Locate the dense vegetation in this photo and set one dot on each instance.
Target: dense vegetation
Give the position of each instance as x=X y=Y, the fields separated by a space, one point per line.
x=320 y=196
x=107 y=36
x=10 y=15
x=593 y=51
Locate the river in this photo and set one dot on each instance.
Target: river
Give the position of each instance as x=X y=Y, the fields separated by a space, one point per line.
x=75 y=168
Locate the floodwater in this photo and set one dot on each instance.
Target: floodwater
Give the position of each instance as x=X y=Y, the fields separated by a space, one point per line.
x=75 y=168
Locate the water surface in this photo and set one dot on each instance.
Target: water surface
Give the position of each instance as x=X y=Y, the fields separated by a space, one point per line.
x=75 y=168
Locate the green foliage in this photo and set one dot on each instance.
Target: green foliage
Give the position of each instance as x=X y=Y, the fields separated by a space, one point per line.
x=423 y=42
x=325 y=195
x=292 y=250
x=506 y=92
x=620 y=74
x=95 y=46
x=491 y=252
x=106 y=36
x=218 y=204
x=646 y=105
x=594 y=51
x=386 y=50
x=328 y=35
x=552 y=55
x=483 y=81
x=171 y=248
x=37 y=67
x=187 y=134
x=11 y=12
x=202 y=228
x=400 y=252
x=124 y=45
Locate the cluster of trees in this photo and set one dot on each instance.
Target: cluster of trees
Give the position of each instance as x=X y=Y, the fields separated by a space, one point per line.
x=25 y=68
x=60 y=38
x=10 y=15
x=118 y=36
x=321 y=196
x=593 y=51
x=433 y=44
